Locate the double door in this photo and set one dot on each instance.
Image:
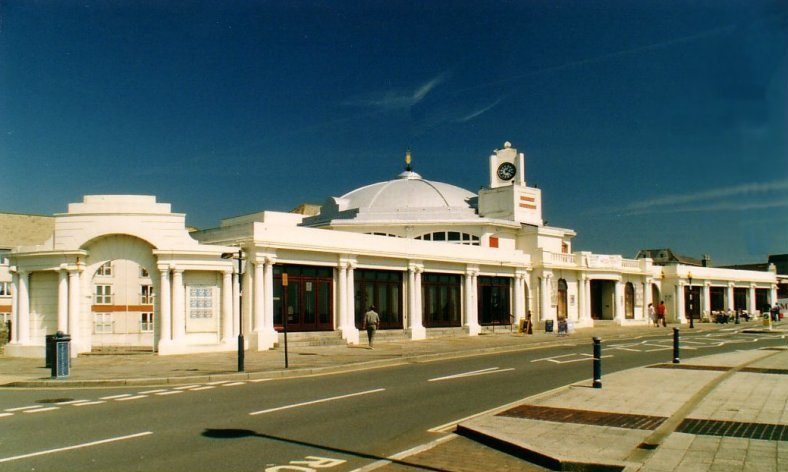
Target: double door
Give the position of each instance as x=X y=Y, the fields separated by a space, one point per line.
x=306 y=301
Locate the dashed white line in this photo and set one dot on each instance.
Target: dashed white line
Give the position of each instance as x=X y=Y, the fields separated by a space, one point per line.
x=94 y=443
x=72 y=402
x=42 y=409
x=491 y=370
x=146 y=392
x=112 y=397
x=136 y=397
x=186 y=387
x=6 y=414
x=203 y=388
x=217 y=382
x=233 y=384
x=270 y=410
x=171 y=392
x=260 y=380
x=90 y=403
x=23 y=408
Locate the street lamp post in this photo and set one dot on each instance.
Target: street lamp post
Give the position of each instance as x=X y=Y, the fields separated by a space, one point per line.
x=689 y=276
x=230 y=255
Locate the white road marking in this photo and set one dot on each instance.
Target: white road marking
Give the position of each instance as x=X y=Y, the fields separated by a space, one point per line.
x=491 y=370
x=270 y=410
x=203 y=388
x=72 y=402
x=23 y=408
x=90 y=403
x=407 y=453
x=136 y=397
x=260 y=380
x=6 y=414
x=555 y=359
x=146 y=392
x=186 y=387
x=217 y=382
x=42 y=409
x=233 y=384
x=171 y=392
x=78 y=446
x=112 y=397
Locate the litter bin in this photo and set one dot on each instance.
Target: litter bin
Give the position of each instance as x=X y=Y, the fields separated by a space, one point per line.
x=50 y=350
x=61 y=360
x=548 y=326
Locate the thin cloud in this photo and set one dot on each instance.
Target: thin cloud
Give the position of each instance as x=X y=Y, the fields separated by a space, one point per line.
x=398 y=99
x=753 y=188
x=478 y=112
x=723 y=206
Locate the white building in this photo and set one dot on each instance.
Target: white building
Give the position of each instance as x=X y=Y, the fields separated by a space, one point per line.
x=433 y=258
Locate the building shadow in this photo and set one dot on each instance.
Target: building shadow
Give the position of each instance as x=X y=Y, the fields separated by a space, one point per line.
x=230 y=433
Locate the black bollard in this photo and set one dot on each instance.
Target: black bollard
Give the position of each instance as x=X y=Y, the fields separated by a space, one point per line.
x=676 y=359
x=597 y=363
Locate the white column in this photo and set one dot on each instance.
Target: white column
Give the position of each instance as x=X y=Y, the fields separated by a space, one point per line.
x=14 y=308
x=582 y=302
x=706 y=299
x=178 y=307
x=348 y=325
x=471 y=317
x=618 y=305
x=62 y=300
x=729 y=299
x=547 y=312
x=751 y=300
x=227 y=306
x=416 y=325
x=342 y=296
x=679 y=316
x=268 y=284
x=236 y=305
x=247 y=295
x=74 y=280
x=257 y=295
x=24 y=309
x=588 y=301
x=773 y=295
x=165 y=313
x=647 y=297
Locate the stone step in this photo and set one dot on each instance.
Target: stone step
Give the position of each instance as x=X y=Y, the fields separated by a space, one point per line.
x=115 y=350
x=326 y=338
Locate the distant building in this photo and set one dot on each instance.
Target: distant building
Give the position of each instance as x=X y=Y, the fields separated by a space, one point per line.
x=666 y=256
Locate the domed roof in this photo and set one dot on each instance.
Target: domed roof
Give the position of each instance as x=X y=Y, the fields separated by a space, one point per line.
x=408 y=191
x=406 y=198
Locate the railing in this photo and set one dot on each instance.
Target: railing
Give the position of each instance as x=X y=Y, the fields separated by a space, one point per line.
x=558 y=258
x=630 y=263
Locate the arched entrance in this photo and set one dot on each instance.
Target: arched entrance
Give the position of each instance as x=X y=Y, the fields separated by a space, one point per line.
x=629 y=301
x=122 y=292
x=562 y=299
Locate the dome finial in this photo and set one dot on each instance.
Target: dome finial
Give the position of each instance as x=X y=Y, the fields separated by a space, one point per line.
x=407 y=160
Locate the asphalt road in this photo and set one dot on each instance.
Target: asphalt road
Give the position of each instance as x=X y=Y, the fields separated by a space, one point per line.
x=334 y=422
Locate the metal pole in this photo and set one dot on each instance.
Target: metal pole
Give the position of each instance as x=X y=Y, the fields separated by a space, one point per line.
x=676 y=359
x=597 y=362
x=284 y=313
x=240 y=315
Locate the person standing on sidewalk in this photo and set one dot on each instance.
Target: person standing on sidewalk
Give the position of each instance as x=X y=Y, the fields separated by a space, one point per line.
x=652 y=314
x=661 y=313
x=371 y=321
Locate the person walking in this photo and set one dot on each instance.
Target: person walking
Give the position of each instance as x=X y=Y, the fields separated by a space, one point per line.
x=529 y=324
x=652 y=314
x=661 y=313
x=371 y=321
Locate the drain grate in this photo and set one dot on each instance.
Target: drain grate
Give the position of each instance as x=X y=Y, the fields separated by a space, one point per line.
x=735 y=429
x=759 y=370
x=596 y=418
x=690 y=367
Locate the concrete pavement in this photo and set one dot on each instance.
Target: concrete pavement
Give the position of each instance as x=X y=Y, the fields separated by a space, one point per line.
x=724 y=412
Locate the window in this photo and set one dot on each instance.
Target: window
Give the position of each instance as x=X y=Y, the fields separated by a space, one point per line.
x=146 y=294
x=105 y=269
x=103 y=323
x=564 y=248
x=146 y=322
x=144 y=272
x=454 y=237
x=5 y=288
x=200 y=302
x=103 y=295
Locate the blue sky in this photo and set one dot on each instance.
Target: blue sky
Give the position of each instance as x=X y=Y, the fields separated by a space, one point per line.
x=646 y=124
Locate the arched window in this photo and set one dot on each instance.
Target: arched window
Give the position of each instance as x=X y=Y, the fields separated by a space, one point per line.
x=562 y=299
x=454 y=237
x=629 y=301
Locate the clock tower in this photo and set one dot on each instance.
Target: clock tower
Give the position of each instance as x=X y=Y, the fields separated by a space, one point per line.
x=508 y=197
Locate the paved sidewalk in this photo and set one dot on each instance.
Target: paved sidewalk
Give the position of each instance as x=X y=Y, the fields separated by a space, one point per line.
x=724 y=412
x=150 y=369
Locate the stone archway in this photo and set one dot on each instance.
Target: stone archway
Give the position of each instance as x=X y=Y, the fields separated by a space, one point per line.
x=121 y=278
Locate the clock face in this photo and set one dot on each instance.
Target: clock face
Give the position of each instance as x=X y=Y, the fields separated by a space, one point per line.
x=506 y=171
